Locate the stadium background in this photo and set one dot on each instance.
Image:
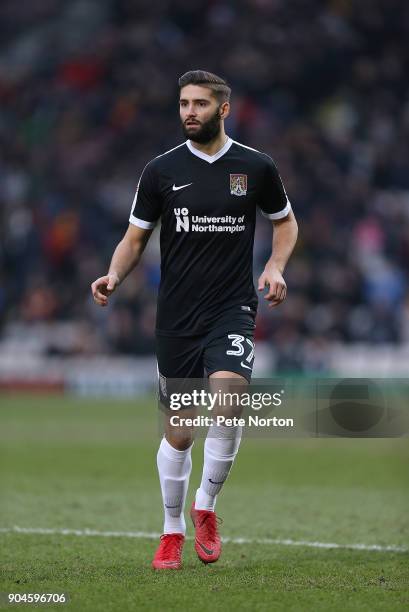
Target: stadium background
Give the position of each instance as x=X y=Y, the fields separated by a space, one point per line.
x=87 y=96
x=320 y=86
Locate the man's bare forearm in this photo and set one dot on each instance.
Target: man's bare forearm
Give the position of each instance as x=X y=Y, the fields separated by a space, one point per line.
x=284 y=239
x=128 y=253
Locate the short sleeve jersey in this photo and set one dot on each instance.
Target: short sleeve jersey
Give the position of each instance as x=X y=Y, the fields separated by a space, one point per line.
x=207 y=207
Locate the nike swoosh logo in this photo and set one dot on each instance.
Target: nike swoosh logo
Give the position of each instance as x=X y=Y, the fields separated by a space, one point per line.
x=213 y=482
x=208 y=551
x=174 y=188
x=177 y=506
x=245 y=366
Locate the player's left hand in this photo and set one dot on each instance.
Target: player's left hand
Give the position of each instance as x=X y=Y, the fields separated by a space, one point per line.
x=277 y=288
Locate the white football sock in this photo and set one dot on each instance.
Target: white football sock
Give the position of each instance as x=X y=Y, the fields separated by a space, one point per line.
x=220 y=449
x=174 y=467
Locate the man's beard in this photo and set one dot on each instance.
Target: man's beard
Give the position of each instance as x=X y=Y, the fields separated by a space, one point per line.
x=206 y=132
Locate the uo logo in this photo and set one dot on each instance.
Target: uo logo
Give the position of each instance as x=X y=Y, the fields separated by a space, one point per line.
x=182 y=219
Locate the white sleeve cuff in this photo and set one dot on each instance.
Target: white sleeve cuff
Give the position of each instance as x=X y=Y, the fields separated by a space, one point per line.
x=141 y=223
x=278 y=215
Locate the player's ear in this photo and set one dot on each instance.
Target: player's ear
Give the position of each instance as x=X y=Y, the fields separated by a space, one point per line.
x=224 y=110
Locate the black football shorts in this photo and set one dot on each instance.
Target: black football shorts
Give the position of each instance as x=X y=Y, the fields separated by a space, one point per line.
x=228 y=346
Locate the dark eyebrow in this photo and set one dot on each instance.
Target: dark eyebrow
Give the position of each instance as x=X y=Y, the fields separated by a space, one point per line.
x=195 y=100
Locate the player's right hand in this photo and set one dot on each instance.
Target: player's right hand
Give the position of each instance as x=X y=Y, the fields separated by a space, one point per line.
x=103 y=287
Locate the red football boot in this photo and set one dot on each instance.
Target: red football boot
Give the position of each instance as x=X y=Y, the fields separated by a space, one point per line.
x=169 y=552
x=207 y=541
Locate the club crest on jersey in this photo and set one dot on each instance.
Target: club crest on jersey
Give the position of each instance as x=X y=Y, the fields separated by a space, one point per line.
x=238 y=184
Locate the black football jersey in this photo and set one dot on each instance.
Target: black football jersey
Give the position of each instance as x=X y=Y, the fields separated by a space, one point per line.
x=207 y=207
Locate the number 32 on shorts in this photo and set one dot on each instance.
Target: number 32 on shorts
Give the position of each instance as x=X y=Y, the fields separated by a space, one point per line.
x=238 y=344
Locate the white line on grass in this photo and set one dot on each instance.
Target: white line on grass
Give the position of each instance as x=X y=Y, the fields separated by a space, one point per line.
x=153 y=536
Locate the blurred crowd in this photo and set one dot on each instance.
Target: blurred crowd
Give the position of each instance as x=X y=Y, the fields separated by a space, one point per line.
x=88 y=95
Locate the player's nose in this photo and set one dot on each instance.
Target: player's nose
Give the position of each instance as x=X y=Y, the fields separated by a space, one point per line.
x=191 y=111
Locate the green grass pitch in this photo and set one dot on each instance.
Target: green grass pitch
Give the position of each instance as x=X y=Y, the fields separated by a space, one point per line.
x=68 y=463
